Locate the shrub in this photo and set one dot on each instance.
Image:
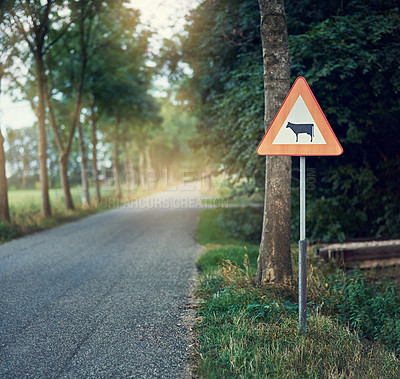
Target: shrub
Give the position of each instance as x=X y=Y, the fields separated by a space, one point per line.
x=241 y=223
x=373 y=311
x=8 y=232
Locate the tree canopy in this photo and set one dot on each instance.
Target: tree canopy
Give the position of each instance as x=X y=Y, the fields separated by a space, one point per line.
x=349 y=54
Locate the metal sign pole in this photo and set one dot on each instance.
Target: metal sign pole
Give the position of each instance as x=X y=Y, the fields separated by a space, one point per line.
x=303 y=250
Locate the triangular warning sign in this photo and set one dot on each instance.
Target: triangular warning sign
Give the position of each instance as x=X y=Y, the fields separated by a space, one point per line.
x=300 y=127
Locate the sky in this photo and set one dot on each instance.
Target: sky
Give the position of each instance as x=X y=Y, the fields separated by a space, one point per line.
x=165 y=18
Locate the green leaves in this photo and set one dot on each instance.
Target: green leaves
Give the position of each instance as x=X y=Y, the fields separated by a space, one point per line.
x=373 y=311
x=223 y=48
x=350 y=56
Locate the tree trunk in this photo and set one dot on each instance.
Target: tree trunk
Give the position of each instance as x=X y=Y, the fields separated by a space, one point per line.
x=94 y=156
x=23 y=172
x=141 y=170
x=4 y=209
x=42 y=142
x=151 y=174
x=149 y=164
x=128 y=168
x=274 y=260
x=63 y=160
x=63 y=154
x=118 y=191
x=84 y=175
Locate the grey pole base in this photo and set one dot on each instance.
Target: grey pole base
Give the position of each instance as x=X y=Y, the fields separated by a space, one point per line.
x=303 y=286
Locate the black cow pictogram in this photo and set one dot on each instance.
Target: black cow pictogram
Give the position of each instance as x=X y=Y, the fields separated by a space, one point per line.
x=301 y=128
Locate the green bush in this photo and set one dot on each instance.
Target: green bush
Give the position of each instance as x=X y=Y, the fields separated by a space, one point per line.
x=373 y=311
x=241 y=223
x=7 y=232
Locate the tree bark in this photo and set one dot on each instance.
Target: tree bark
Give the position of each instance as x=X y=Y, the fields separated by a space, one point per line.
x=149 y=164
x=118 y=191
x=84 y=175
x=63 y=161
x=274 y=261
x=63 y=154
x=150 y=172
x=24 y=171
x=128 y=168
x=141 y=170
x=94 y=154
x=42 y=142
x=4 y=208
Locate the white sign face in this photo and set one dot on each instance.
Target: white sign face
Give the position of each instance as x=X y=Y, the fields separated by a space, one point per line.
x=299 y=128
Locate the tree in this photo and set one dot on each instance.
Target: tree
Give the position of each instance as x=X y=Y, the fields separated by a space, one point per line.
x=67 y=64
x=105 y=29
x=28 y=26
x=93 y=120
x=120 y=93
x=274 y=261
x=36 y=28
x=86 y=12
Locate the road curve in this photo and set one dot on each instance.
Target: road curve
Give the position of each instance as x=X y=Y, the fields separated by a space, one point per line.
x=104 y=296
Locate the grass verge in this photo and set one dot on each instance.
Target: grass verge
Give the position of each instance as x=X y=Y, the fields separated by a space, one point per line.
x=251 y=332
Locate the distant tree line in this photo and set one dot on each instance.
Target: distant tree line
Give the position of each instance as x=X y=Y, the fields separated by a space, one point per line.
x=349 y=52
x=85 y=68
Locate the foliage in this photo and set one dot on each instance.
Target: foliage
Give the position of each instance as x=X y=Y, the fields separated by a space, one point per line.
x=208 y=232
x=8 y=232
x=374 y=311
x=349 y=52
x=223 y=49
x=242 y=223
x=247 y=331
x=235 y=343
x=171 y=143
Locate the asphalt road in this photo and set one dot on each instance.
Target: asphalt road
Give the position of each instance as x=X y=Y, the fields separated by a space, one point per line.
x=102 y=297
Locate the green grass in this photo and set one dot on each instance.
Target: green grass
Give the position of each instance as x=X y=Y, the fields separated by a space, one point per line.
x=32 y=197
x=215 y=257
x=238 y=342
x=251 y=332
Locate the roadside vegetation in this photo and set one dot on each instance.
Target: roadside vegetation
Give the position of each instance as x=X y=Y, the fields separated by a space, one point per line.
x=246 y=331
x=27 y=218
